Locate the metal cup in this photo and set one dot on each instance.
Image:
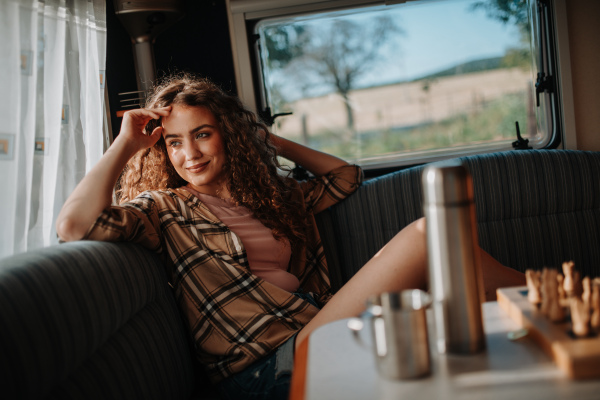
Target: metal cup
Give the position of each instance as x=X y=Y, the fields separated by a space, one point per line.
x=399 y=331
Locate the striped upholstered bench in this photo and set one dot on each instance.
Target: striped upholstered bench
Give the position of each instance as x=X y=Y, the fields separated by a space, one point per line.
x=535 y=208
x=91 y=320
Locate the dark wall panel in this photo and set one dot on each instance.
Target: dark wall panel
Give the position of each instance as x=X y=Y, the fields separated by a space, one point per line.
x=198 y=43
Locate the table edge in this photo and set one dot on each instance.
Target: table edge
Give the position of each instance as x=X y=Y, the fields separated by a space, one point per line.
x=298 y=383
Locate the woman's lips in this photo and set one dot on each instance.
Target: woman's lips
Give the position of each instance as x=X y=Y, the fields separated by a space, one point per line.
x=194 y=169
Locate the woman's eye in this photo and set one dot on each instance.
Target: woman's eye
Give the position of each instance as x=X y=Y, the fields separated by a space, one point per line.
x=173 y=144
x=201 y=135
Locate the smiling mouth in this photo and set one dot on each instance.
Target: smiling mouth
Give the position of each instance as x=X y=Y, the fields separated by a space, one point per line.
x=198 y=167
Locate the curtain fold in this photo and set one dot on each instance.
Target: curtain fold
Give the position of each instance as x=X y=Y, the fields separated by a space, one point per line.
x=52 y=79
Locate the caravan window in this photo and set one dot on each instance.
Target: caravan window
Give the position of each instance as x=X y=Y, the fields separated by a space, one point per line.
x=387 y=85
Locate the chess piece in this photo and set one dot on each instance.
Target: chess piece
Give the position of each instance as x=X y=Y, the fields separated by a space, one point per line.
x=595 y=305
x=562 y=296
x=587 y=291
x=580 y=315
x=533 y=286
x=556 y=313
x=577 y=285
x=568 y=269
x=545 y=291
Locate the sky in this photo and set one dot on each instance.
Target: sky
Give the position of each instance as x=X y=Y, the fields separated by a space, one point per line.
x=443 y=34
x=438 y=34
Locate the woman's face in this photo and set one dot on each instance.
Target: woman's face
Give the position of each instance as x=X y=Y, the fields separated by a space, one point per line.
x=195 y=147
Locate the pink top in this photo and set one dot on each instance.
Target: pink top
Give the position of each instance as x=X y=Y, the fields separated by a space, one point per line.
x=268 y=257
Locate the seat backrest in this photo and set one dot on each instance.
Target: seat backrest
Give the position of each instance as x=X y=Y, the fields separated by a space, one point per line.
x=535 y=208
x=91 y=320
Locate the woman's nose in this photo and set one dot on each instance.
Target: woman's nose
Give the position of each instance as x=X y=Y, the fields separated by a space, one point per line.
x=192 y=152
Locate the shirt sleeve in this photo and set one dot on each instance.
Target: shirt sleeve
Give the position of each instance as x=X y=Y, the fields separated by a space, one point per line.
x=324 y=191
x=135 y=221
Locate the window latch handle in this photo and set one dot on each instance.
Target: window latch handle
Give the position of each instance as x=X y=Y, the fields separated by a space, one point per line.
x=268 y=118
x=543 y=83
x=520 y=143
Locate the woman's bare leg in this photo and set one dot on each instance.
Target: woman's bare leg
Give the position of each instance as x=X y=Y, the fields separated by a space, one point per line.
x=400 y=264
x=496 y=275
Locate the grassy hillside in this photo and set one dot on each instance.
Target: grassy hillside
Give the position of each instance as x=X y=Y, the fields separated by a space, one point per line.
x=466 y=68
x=494 y=122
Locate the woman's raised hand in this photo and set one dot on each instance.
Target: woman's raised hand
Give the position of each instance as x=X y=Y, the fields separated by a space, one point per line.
x=134 y=123
x=94 y=193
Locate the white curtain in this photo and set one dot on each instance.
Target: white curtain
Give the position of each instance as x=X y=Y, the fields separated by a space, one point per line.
x=52 y=111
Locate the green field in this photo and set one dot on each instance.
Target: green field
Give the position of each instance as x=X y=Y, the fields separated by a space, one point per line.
x=494 y=120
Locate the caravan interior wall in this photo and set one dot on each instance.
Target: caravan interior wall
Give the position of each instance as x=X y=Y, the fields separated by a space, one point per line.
x=200 y=43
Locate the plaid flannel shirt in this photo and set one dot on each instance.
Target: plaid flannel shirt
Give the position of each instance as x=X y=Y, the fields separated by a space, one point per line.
x=234 y=317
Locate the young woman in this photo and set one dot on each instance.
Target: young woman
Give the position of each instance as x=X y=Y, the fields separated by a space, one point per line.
x=200 y=185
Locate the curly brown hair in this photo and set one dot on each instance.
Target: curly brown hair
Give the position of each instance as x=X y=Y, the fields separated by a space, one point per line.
x=251 y=170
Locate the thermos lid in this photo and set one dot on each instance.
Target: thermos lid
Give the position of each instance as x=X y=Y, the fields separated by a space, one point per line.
x=447 y=183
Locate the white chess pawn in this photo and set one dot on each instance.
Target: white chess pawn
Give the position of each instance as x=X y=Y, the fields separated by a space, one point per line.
x=568 y=268
x=533 y=286
x=545 y=292
x=577 y=285
x=580 y=315
x=587 y=291
x=562 y=296
x=556 y=313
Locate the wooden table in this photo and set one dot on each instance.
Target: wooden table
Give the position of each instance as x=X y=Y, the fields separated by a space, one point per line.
x=333 y=365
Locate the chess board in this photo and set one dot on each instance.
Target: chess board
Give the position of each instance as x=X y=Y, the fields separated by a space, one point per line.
x=579 y=358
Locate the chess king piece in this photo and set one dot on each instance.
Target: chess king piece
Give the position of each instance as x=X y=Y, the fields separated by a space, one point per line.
x=533 y=286
x=580 y=315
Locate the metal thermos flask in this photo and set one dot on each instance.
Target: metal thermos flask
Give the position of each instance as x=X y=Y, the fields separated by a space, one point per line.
x=456 y=282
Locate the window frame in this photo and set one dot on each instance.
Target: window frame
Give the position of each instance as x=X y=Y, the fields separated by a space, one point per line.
x=243 y=15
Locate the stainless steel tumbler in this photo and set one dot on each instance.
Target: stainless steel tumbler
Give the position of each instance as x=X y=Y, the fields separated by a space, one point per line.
x=455 y=277
x=398 y=326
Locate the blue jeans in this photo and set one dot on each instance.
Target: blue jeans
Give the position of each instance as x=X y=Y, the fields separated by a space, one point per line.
x=268 y=378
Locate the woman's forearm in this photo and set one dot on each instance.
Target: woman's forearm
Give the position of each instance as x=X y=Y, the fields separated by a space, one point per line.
x=94 y=193
x=315 y=161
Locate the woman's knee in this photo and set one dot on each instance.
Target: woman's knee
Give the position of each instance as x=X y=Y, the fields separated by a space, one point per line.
x=410 y=242
x=420 y=225
x=416 y=228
